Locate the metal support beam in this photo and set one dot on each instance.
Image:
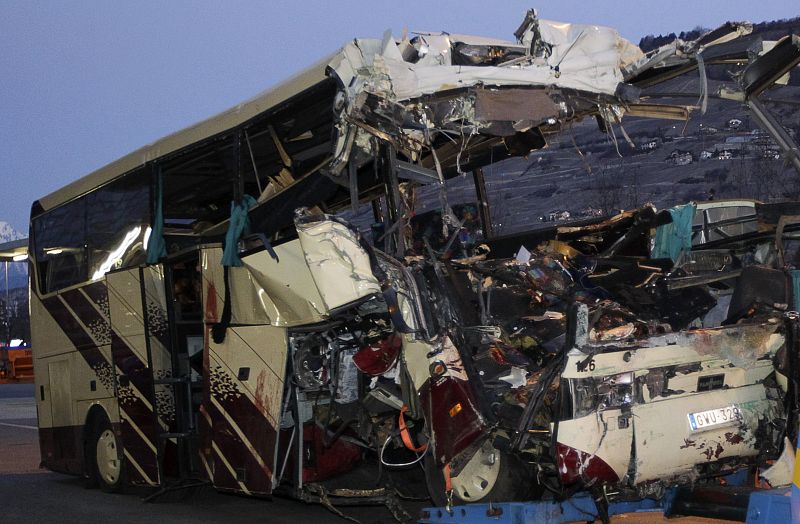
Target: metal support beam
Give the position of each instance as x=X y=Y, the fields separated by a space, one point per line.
x=416 y=173
x=770 y=124
x=394 y=203
x=483 y=204
x=352 y=174
x=238 y=185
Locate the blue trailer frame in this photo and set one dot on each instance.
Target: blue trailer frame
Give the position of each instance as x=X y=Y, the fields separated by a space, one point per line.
x=765 y=507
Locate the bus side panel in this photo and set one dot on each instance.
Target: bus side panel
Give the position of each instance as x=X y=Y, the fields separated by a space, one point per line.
x=129 y=350
x=280 y=292
x=74 y=371
x=243 y=403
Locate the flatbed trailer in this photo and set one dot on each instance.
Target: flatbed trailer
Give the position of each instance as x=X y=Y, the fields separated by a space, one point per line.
x=762 y=507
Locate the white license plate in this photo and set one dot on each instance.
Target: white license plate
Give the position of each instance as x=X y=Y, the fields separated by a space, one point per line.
x=726 y=416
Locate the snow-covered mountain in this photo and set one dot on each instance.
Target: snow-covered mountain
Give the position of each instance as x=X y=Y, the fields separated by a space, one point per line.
x=17 y=271
x=8 y=233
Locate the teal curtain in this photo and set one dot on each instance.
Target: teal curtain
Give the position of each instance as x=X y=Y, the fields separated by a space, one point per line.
x=156 y=246
x=238 y=227
x=675 y=238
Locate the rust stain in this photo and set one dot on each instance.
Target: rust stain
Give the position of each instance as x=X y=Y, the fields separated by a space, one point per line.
x=211 y=304
x=262 y=401
x=734 y=438
x=719 y=450
x=688 y=443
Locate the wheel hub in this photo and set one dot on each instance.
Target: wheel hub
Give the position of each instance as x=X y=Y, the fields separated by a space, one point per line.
x=108 y=463
x=479 y=476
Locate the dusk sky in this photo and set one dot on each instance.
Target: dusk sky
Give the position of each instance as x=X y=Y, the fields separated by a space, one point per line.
x=83 y=83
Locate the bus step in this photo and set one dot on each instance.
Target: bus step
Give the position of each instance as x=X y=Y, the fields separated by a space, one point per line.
x=175 y=435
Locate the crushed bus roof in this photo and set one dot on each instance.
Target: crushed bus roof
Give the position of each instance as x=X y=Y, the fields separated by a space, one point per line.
x=402 y=90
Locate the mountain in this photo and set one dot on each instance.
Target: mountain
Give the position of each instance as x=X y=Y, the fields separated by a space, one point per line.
x=8 y=233
x=773 y=30
x=17 y=271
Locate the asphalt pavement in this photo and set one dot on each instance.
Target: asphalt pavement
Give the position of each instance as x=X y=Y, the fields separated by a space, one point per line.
x=29 y=494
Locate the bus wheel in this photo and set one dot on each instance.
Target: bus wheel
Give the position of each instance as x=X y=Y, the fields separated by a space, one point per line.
x=108 y=458
x=490 y=476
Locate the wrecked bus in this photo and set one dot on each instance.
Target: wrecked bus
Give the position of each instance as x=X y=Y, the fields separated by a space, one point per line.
x=206 y=310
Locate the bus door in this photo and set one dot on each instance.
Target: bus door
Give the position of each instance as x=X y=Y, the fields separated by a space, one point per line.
x=153 y=373
x=139 y=350
x=245 y=368
x=183 y=306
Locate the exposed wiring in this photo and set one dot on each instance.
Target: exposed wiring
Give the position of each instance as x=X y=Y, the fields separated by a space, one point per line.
x=420 y=456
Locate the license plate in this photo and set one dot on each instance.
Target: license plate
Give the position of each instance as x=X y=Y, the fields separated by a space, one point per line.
x=712 y=418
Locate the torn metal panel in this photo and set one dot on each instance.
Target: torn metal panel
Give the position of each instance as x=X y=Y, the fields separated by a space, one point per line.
x=666 y=112
x=595 y=446
x=401 y=91
x=448 y=399
x=768 y=68
x=416 y=173
x=763 y=72
x=663 y=352
x=679 y=56
x=741 y=345
x=264 y=291
x=586 y=58
x=338 y=265
x=769 y=123
x=781 y=472
x=515 y=105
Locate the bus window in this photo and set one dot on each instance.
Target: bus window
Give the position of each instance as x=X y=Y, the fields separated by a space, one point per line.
x=118 y=218
x=60 y=239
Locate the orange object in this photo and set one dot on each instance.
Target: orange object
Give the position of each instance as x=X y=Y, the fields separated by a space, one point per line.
x=406 y=436
x=448 y=482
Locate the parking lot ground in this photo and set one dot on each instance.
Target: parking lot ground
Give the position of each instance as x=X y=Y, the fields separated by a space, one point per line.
x=30 y=494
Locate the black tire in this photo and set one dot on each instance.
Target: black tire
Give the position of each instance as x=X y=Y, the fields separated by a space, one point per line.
x=515 y=481
x=107 y=458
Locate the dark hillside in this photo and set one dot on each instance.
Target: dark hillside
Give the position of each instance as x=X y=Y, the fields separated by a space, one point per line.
x=773 y=30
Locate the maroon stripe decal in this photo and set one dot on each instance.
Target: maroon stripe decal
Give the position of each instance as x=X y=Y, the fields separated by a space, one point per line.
x=249 y=418
x=85 y=345
x=157 y=321
x=124 y=357
x=132 y=406
x=132 y=475
x=132 y=366
x=60 y=448
x=97 y=324
x=223 y=479
x=136 y=372
x=256 y=478
x=98 y=292
x=72 y=328
x=138 y=449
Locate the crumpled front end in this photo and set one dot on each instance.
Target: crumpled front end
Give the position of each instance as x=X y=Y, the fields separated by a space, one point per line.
x=475 y=88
